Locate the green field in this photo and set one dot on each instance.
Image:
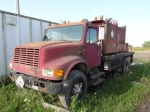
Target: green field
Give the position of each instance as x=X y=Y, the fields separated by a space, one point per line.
x=139 y=49
x=117 y=94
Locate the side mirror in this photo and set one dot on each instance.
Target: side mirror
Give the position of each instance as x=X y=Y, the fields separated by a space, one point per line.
x=101 y=33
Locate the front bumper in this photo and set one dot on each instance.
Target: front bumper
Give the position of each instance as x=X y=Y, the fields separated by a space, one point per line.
x=43 y=86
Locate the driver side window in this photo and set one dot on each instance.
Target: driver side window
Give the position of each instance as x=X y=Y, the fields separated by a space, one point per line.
x=91 y=35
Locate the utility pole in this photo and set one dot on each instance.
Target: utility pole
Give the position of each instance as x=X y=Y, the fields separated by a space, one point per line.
x=18 y=21
x=17 y=7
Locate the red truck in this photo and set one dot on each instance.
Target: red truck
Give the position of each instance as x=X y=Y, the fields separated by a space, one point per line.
x=71 y=57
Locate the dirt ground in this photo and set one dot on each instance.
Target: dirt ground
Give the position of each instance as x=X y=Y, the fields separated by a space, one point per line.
x=142 y=55
x=145 y=105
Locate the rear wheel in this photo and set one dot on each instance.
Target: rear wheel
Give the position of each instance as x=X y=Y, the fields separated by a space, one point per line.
x=125 y=67
x=74 y=85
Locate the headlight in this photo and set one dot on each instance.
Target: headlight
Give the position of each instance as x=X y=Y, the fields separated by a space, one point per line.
x=10 y=65
x=47 y=72
x=52 y=73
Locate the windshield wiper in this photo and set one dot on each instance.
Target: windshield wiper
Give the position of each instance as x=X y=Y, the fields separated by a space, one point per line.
x=48 y=39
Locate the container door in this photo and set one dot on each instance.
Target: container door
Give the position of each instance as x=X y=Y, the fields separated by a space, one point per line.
x=93 y=50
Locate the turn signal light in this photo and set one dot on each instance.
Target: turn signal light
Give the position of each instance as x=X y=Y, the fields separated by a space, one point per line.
x=58 y=73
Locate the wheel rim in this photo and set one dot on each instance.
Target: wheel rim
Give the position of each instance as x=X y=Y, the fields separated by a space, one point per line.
x=77 y=89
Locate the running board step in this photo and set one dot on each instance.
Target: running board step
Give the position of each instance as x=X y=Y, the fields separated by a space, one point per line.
x=97 y=75
x=97 y=81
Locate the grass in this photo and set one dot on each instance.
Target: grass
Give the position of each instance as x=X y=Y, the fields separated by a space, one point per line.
x=139 y=49
x=117 y=94
x=13 y=99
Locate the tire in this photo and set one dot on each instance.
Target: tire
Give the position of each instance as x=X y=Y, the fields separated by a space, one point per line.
x=76 y=79
x=125 y=67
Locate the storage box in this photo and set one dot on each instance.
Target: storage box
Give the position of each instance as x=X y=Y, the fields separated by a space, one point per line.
x=114 y=39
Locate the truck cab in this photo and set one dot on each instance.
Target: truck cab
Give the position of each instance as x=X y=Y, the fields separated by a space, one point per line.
x=70 y=57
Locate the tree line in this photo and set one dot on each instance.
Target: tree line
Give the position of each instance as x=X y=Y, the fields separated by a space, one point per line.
x=146 y=44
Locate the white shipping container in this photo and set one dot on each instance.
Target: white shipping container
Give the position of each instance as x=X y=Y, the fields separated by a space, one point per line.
x=18 y=29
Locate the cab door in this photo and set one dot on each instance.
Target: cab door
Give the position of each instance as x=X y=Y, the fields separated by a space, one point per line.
x=93 y=50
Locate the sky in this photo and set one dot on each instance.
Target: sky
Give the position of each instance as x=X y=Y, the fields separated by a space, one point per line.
x=135 y=14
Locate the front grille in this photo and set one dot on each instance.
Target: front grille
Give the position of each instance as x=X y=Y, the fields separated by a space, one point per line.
x=27 y=56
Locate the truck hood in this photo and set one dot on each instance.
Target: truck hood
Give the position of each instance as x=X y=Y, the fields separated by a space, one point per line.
x=50 y=55
x=38 y=45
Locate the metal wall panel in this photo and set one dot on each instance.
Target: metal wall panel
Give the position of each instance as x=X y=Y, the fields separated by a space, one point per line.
x=1 y=47
x=24 y=33
x=10 y=36
x=36 y=32
x=17 y=29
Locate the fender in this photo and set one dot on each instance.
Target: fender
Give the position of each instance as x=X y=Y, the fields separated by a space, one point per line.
x=66 y=63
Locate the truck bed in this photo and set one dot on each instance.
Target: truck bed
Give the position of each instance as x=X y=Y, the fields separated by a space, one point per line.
x=114 y=61
x=116 y=55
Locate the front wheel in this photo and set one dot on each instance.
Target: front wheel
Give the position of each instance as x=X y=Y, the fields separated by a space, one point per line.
x=74 y=85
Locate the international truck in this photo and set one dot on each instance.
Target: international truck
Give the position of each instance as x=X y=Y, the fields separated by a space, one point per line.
x=71 y=57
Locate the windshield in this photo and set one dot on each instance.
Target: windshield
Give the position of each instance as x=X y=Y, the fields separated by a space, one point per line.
x=67 y=33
